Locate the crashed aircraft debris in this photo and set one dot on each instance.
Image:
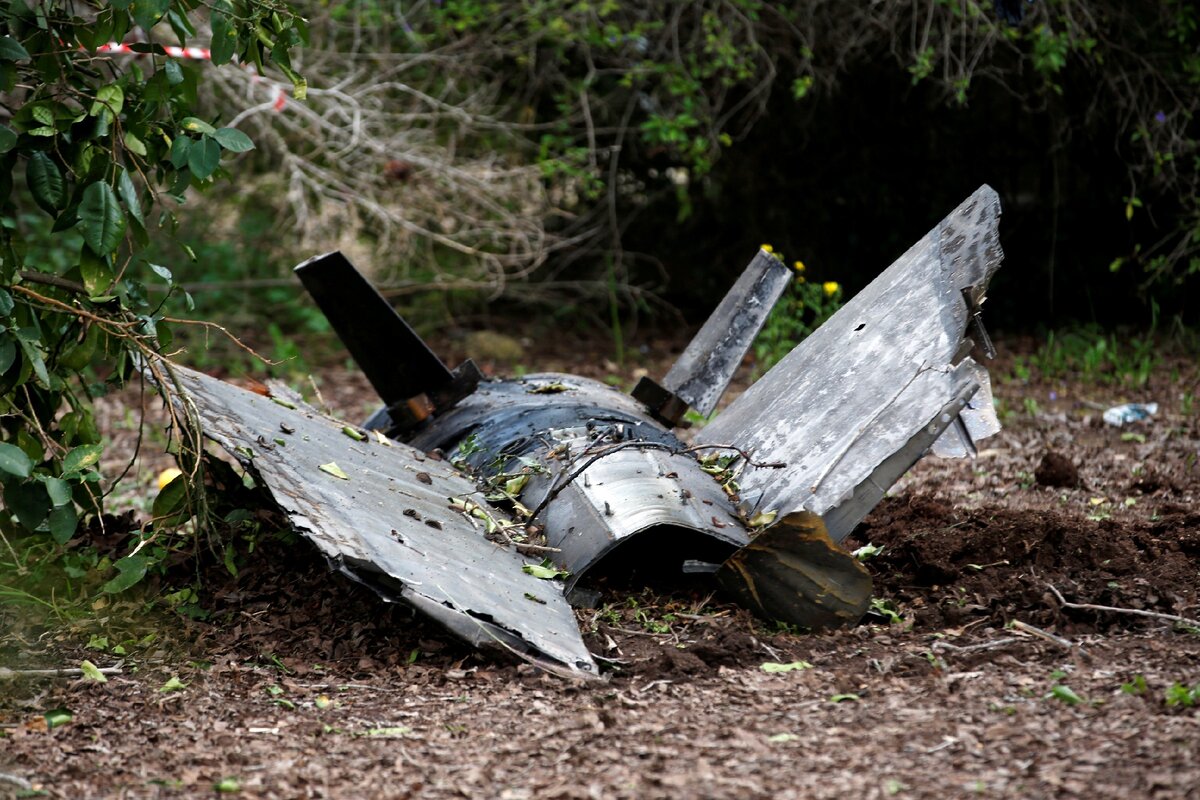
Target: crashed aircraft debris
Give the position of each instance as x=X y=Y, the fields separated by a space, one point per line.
x=555 y=474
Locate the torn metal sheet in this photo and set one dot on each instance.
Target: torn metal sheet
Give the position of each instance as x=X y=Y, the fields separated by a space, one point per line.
x=392 y=523
x=860 y=388
x=793 y=570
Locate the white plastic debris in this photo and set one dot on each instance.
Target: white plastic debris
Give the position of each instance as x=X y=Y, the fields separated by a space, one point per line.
x=1129 y=412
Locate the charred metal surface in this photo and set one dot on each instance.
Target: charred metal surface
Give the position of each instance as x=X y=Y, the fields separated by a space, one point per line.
x=704 y=369
x=600 y=470
x=860 y=388
x=793 y=571
x=392 y=524
x=663 y=404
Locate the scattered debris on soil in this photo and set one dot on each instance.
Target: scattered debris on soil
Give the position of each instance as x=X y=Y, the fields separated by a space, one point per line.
x=971 y=677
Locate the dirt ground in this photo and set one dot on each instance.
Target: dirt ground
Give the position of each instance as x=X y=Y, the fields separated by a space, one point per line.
x=978 y=676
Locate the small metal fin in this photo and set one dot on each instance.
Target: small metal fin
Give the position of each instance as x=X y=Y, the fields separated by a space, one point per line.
x=395 y=359
x=704 y=369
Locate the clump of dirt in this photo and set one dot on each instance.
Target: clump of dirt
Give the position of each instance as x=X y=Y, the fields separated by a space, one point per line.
x=1056 y=470
x=950 y=565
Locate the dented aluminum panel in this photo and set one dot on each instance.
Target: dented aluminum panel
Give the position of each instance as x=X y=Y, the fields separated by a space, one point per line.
x=392 y=525
x=859 y=389
x=617 y=494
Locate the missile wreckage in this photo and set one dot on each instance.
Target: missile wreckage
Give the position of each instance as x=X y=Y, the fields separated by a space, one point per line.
x=489 y=504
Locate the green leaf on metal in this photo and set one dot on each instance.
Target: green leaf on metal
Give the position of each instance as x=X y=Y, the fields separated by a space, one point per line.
x=546 y=573
x=14 y=461
x=333 y=469
x=101 y=218
x=130 y=570
x=45 y=182
x=204 y=157
x=12 y=50
x=81 y=458
x=233 y=140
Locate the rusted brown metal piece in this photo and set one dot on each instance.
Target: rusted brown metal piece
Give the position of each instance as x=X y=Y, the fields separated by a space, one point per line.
x=793 y=572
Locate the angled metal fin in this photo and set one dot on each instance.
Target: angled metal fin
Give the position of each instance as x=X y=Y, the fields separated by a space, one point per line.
x=394 y=358
x=383 y=514
x=704 y=369
x=857 y=391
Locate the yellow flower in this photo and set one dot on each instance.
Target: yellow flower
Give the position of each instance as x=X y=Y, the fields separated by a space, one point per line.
x=831 y=288
x=766 y=248
x=166 y=476
x=798 y=266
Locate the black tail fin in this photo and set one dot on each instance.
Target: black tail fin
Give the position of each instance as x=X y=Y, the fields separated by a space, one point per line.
x=395 y=359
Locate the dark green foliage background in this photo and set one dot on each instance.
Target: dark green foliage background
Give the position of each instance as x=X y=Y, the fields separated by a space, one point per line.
x=841 y=132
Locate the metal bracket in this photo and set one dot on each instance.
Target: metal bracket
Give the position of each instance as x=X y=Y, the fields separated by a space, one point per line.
x=973 y=296
x=663 y=404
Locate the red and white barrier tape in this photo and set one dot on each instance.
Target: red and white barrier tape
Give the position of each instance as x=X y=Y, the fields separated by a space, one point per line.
x=279 y=97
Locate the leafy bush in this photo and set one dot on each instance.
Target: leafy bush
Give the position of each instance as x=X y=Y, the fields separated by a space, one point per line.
x=95 y=141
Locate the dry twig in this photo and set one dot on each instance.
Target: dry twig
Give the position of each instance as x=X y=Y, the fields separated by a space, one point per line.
x=1195 y=623
x=1066 y=644
x=975 y=647
x=65 y=672
x=17 y=781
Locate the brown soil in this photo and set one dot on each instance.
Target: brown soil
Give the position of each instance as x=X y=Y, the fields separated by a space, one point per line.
x=302 y=684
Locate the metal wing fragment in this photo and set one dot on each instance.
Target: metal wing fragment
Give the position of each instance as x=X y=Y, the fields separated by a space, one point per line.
x=869 y=383
x=390 y=523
